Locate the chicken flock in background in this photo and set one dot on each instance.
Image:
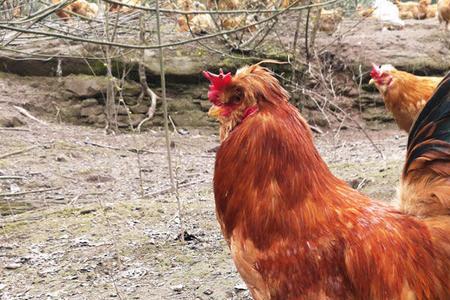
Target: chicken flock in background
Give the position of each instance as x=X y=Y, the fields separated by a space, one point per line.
x=413 y=10
x=404 y=94
x=389 y=14
x=392 y=14
x=203 y=23
x=295 y=231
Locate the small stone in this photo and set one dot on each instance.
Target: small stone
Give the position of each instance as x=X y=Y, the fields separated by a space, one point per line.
x=177 y=288
x=89 y=102
x=205 y=105
x=87 y=211
x=121 y=110
x=71 y=111
x=13 y=266
x=61 y=159
x=183 y=131
x=141 y=108
x=91 y=110
x=208 y=292
x=240 y=287
x=134 y=119
x=130 y=100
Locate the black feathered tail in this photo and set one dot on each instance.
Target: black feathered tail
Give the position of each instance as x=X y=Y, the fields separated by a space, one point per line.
x=429 y=138
x=425 y=184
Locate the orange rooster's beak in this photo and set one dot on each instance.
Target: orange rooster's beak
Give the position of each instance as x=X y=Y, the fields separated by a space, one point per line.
x=214 y=111
x=372 y=81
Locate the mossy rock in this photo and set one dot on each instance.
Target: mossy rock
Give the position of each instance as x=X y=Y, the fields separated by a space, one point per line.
x=191 y=118
x=178 y=105
x=89 y=102
x=72 y=111
x=133 y=119
x=377 y=114
x=91 y=110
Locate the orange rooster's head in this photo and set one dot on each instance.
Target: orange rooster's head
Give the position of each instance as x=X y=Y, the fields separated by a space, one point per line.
x=238 y=97
x=381 y=77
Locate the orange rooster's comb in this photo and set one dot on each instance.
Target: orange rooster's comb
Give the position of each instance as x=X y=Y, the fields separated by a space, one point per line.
x=218 y=82
x=375 y=73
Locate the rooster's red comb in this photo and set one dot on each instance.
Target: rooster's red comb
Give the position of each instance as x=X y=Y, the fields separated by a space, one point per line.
x=375 y=71
x=218 y=82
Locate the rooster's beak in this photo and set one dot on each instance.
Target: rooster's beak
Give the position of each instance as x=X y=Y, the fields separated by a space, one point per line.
x=372 y=81
x=214 y=111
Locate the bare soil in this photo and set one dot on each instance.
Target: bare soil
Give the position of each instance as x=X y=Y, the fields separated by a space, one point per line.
x=92 y=236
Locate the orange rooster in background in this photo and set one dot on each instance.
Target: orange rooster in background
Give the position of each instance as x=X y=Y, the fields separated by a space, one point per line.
x=431 y=10
x=412 y=9
x=80 y=7
x=295 y=231
x=404 y=94
x=443 y=11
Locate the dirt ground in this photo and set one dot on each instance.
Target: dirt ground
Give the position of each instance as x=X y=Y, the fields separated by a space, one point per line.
x=81 y=229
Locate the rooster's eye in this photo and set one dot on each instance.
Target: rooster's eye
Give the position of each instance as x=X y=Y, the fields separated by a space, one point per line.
x=235 y=97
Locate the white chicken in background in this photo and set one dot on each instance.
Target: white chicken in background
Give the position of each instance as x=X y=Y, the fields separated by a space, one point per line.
x=388 y=14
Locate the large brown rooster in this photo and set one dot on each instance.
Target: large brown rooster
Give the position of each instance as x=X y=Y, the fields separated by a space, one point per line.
x=404 y=94
x=296 y=231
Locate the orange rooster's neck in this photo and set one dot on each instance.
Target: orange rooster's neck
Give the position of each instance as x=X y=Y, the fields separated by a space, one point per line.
x=268 y=164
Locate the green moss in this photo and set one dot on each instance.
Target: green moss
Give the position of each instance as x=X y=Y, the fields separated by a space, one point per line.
x=13 y=207
x=98 y=67
x=14 y=227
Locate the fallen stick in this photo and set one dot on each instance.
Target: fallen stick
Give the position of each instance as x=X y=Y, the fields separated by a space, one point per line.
x=18 y=152
x=28 y=192
x=14 y=129
x=12 y=177
x=122 y=149
x=315 y=129
x=26 y=113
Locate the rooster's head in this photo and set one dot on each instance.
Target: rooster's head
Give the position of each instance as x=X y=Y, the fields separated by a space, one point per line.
x=236 y=98
x=381 y=77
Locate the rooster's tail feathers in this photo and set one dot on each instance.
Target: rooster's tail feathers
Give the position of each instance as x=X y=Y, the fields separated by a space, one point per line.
x=425 y=186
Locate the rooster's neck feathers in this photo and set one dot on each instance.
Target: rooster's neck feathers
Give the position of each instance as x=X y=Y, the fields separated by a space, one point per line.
x=279 y=169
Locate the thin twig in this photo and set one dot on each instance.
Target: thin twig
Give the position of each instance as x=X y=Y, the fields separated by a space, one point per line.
x=14 y=129
x=164 y=99
x=29 y=192
x=306 y=31
x=26 y=113
x=18 y=152
x=134 y=150
x=173 y=125
x=177 y=196
x=12 y=177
